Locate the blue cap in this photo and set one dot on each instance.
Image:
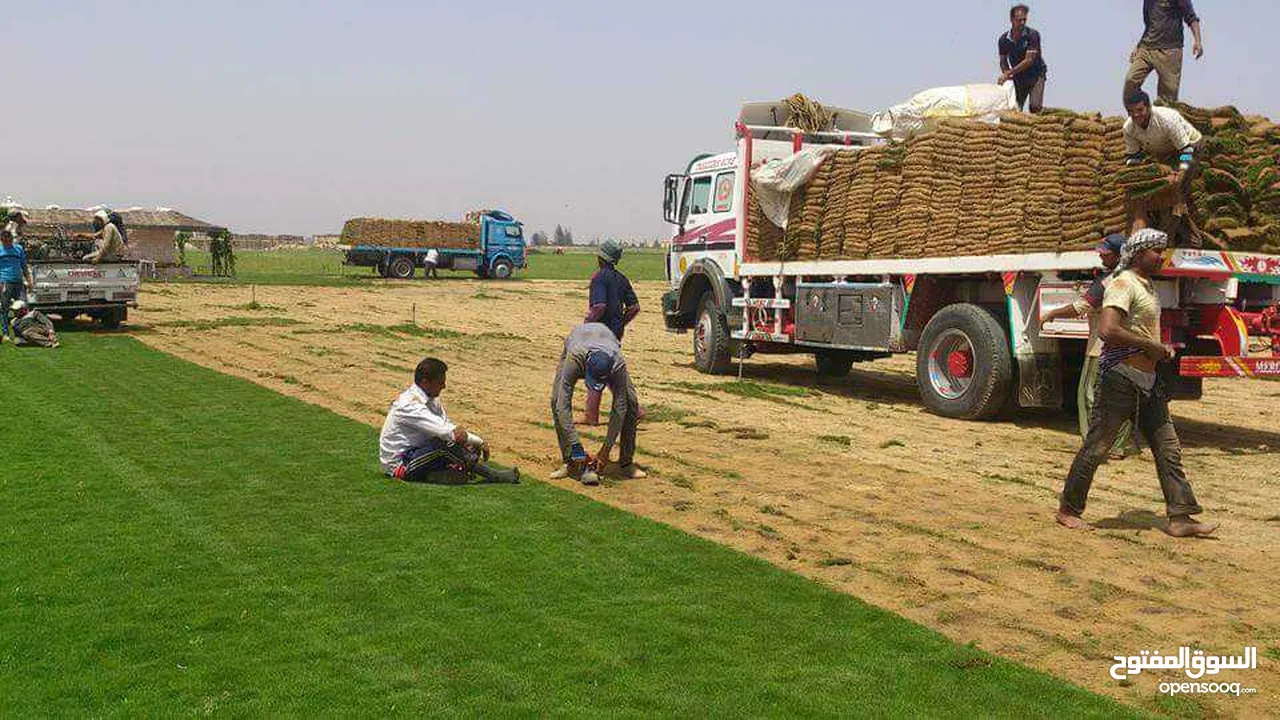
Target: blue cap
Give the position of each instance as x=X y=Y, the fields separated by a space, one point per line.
x=1112 y=243
x=599 y=369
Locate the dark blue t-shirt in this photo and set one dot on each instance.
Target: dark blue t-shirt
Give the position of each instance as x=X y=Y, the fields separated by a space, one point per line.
x=613 y=290
x=1016 y=51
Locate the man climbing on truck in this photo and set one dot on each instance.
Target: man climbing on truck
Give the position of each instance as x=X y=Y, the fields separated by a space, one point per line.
x=593 y=354
x=1163 y=135
x=1130 y=387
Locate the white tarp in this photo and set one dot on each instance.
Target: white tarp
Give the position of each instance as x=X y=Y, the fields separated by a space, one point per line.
x=922 y=112
x=776 y=179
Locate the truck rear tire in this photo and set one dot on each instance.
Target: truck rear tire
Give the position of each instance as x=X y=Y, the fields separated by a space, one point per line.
x=112 y=317
x=502 y=270
x=711 y=337
x=964 y=368
x=400 y=268
x=833 y=363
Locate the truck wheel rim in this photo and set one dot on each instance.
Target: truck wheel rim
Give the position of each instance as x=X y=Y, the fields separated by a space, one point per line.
x=502 y=270
x=700 y=335
x=951 y=364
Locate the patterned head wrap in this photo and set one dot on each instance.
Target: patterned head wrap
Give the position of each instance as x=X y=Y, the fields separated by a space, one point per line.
x=1144 y=239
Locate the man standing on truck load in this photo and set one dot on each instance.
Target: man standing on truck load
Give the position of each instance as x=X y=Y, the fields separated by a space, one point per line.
x=418 y=438
x=17 y=224
x=32 y=327
x=1161 y=134
x=1160 y=48
x=1132 y=350
x=1022 y=60
x=593 y=354
x=109 y=239
x=15 y=277
x=1090 y=305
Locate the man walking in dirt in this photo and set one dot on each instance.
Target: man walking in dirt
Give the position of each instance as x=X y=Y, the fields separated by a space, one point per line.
x=419 y=439
x=1022 y=60
x=1089 y=305
x=593 y=354
x=15 y=277
x=1160 y=48
x=1129 y=387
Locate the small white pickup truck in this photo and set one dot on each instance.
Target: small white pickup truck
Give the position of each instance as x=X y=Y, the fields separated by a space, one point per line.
x=104 y=292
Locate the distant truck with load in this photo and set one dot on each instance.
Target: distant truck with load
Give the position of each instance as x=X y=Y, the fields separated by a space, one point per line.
x=490 y=243
x=974 y=321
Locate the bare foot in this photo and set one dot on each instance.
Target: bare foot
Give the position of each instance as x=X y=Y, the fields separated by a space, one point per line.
x=1182 y=526
x=1072 y=522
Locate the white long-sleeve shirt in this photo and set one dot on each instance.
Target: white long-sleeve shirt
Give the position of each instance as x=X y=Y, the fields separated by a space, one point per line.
x=415 y=419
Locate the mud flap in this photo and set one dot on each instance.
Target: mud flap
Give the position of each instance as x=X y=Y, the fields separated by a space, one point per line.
x=1039 y=380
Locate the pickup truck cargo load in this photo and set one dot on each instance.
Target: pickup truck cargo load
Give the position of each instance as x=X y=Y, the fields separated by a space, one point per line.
x=962 y=281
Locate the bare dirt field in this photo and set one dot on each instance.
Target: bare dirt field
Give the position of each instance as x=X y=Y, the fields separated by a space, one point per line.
x=848 y=482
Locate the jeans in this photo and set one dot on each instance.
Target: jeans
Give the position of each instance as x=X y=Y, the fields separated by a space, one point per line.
x=9 y=292
x=1118 y=401
x=1086 y=397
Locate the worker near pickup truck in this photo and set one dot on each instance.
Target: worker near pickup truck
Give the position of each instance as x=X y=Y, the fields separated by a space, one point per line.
x=1130 y=388
x=419 y=439
x=1163 y=135
x=108 y=238
x=1160 y=48
x=32 y=327
x=430 y=263
x=1089 y=305
x=15 y=277
x=1022 y=60
x=18 y=219
x=593 y=354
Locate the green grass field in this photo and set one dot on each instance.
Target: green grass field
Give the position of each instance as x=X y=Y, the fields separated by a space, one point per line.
x=177 y=541
x=324 y=267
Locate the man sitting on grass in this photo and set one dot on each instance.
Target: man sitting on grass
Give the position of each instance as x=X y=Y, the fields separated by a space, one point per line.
x=32 y=328
x=418 y=438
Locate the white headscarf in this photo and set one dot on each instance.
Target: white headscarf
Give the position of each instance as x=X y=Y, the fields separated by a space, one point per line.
x=1144 y=239
x=103 y=216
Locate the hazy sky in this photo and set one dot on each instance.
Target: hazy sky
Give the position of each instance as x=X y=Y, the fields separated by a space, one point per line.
x=288 y=117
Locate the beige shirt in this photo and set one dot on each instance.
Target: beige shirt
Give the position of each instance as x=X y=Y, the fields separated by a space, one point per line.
x=1166 y=134
x=1135 y=297
x=109 y=246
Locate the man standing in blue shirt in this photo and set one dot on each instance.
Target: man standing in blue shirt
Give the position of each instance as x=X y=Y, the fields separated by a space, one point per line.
x=1022 y=60
x=15 y=277
x=612 y=301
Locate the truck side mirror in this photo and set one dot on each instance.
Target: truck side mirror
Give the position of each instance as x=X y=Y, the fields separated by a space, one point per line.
x=674 y=202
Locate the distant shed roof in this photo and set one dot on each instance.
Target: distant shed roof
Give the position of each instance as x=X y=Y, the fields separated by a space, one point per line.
x=155 y=219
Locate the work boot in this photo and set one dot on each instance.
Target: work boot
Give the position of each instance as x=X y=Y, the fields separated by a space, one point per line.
x=511 y=476
x=590 y=478
x=1182 y=526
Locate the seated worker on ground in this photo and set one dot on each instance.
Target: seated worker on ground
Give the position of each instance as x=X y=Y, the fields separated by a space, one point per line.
x=31 y=327
x=418 y=438
x=592 y=354
x=1163 y=135
x=109 y=239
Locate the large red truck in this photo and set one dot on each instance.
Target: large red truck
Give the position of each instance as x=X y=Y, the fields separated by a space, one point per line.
x=974 y=322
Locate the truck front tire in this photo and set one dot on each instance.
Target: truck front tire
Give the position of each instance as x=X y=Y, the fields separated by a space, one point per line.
x=711 y=337
x=502 y=270
x=964 y=368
